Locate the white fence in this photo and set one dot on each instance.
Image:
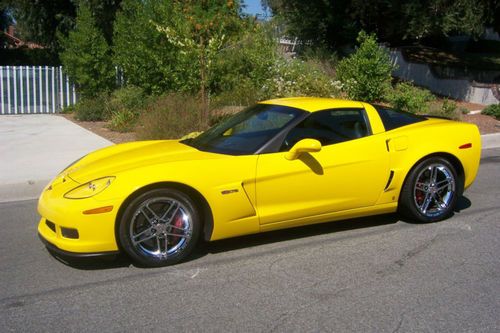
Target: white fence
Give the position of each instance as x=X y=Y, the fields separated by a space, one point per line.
x=34 y=89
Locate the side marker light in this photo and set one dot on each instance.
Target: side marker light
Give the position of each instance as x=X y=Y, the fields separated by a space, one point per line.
x=99 y=210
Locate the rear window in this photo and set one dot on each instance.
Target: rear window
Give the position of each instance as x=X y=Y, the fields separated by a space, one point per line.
x=394 y=119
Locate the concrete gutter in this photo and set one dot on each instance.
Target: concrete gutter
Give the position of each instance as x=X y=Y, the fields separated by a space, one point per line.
x=36 y=148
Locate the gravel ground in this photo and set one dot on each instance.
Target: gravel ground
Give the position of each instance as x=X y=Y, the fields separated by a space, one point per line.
x=486 y=124
x=99 y=128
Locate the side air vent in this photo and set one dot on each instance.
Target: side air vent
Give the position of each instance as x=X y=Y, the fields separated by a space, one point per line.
x=391 y=175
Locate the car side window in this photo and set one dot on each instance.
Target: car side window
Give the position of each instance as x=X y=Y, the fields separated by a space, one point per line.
x=329 y=127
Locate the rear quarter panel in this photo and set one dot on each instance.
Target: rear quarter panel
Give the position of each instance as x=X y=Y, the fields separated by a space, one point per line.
x=410 y=144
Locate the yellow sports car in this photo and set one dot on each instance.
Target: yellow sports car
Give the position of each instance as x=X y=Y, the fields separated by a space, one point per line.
x=281 y=163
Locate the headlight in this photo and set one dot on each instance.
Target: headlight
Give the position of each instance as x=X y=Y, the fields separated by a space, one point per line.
x=89 y=189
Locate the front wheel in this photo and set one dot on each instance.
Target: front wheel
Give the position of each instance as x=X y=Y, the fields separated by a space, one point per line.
x=430 y=191
x=160 y=227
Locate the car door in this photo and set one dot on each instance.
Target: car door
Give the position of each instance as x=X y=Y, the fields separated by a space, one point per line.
x=350 y=171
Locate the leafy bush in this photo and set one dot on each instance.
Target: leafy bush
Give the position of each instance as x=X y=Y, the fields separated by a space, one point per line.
x=492 y=110
x=405 y=96
x=298 y=78
x=91 y=108
x=131 y=98
x=68 y=109
x=87 y=57
x=323 y=58
x=124 y=107
x=144 y=54
x=242 y=69
x=464 y=110
x=245 y=93
x=123 y=120
x=449 y=108
x=446 y=109
x=169 y=117
x=366 y=74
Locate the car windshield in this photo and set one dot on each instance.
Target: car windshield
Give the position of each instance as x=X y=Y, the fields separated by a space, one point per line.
x=247 y=131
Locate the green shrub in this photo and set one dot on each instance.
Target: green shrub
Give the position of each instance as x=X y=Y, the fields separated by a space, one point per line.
x=449 y=108
x=366 y=74
x=464 y=110
x=92 y=108
x=123 y=120
x=492 y=110
x=130 y=97
x=298 y=78
x=68 y=109
x=241 y=70
x=446 y=109
x=407 y=97
x=323 y=58
x=169 y=117
x=245 y=93
x=123 y=108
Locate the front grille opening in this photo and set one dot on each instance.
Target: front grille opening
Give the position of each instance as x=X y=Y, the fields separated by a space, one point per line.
x=69 y=233
x=51 y=225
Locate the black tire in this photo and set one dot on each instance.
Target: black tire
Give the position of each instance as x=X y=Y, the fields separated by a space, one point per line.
x=160 y=227
x=430 y=191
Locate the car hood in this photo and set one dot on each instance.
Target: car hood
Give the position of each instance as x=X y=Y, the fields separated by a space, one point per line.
x=115 y=159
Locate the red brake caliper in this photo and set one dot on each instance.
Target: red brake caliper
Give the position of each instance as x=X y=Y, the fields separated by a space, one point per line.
x=420 y=197
x=178 y=223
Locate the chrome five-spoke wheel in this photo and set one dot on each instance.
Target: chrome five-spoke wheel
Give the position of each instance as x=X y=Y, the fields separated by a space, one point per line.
x=434 y=190
x=160 y=227
x=430 y=191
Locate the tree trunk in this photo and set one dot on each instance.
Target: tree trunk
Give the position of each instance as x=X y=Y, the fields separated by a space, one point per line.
x=205 y=111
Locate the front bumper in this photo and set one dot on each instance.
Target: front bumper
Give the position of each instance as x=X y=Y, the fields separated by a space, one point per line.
x=65 y=229
x=52 y=248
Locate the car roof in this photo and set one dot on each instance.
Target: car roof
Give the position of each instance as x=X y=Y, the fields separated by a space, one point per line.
x=312 y=104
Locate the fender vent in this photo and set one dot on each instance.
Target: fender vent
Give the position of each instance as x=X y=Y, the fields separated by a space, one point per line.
x=391 y=175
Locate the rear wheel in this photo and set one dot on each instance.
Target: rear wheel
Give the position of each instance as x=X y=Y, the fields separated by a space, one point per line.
x=430 y=191
x=160 y=227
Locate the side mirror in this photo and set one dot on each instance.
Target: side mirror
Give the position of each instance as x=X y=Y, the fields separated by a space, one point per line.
x=303 y=146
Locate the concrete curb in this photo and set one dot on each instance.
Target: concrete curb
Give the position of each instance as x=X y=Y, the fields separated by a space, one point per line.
x=22 y=191
x=489 y=141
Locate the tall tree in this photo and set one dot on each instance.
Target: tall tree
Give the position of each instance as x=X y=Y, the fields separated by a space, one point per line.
x=199 y=30
x=5 y=18
x=323 y=21
x=334 y=21
x=87 y=56
x=104 y=13
x=42 y=21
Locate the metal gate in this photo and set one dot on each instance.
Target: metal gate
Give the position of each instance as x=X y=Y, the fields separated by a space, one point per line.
x=34 y=89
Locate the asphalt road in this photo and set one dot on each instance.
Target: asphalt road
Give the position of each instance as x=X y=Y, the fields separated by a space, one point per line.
x=374 y=274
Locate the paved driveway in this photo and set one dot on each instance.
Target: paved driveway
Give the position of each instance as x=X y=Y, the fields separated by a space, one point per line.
x=35 y=148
